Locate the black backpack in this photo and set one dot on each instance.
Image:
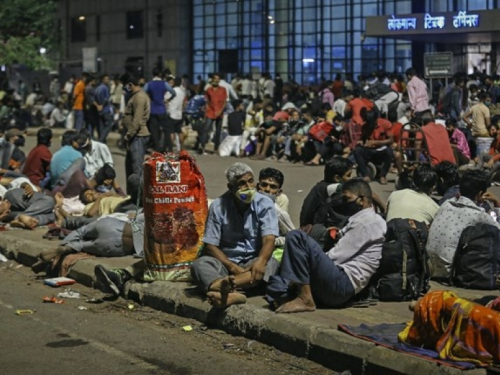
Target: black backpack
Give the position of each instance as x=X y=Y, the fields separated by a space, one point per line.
x=405 y=268
x=476 y=264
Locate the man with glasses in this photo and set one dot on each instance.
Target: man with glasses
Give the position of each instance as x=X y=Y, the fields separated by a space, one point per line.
x=335 y=277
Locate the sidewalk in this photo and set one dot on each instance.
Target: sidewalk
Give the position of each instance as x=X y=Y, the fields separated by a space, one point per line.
x=312 y=335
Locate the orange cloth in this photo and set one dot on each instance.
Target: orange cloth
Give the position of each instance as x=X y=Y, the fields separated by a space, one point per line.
x=438 y=143
x=78 y=95
x=458 y=329
x=356 y=105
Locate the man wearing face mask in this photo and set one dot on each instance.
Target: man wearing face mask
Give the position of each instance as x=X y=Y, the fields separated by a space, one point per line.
x=240 y=233
x=335 y=277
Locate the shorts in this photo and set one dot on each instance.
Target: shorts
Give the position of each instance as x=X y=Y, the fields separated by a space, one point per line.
x=174 y=126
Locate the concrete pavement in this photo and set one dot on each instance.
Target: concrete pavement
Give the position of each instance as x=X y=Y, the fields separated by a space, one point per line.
x=311 y=335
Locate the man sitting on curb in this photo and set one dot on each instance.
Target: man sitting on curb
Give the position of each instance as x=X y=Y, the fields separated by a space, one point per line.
x=241 y=229
x=270 y=184
x=454 y=216
x=337 y=276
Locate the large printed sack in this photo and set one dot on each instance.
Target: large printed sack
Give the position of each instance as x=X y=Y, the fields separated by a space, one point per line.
x=175 y=211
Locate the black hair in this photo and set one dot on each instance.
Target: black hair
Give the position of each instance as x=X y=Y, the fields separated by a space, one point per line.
x=370 y=119
x=104 y=75
x=452 y=122
x=326 y=107
x=129 y=78
x=44 y=135
x=106 y=172
x=177 y=81
x=68 y=137
x=80 y=138
x=347 y=93
x=411 y=72
x=235 y=103
x=447 y=173
x=274 y=174
x=336 y=166
x=359 y=187
x=82 y=196
x=426 y=117
x=156 y=72
x=484 y=96
x=425 y=178
x=474 y=182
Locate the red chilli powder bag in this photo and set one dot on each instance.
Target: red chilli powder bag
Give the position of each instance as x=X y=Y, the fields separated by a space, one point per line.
x=175 y=211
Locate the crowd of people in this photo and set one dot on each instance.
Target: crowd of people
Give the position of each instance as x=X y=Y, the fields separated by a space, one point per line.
x=333 y=257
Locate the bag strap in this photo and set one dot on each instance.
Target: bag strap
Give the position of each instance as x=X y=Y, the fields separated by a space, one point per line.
x=416 y=236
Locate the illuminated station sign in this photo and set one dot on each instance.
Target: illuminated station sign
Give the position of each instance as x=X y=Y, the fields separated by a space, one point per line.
x=460 y=21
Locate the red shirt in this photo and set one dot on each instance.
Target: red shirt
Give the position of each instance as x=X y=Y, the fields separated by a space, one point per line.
x=356 y=105
x=382 y=130
x=438 y=143
x=216 y=101
x=37 y=164
x=396 y=131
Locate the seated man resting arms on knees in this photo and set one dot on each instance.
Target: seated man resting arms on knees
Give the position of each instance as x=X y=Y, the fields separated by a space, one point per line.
x=332 y=279
x=241 y=229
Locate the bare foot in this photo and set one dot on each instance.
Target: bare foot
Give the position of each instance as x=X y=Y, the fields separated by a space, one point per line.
x=225 y=285
x=59 y=216
x=59 y=198
x=25 y=222
x=297 y=305
x=412 y=305
x=217 y=300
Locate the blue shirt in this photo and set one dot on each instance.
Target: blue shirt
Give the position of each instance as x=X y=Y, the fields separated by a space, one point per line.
x=102 y=98
x=61 y=161
x=239 y=235
x=156 y=89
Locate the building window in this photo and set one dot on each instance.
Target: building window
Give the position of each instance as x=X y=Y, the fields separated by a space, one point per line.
x=134 y=25
x=78 y=29
x=97 y=28
x=159 y=22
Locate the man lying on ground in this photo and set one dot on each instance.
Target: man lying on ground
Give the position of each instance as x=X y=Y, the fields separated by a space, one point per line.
x=309 y=276
x=26 y=208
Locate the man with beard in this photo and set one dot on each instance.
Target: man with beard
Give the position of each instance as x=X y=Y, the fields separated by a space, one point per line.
x=310 y=276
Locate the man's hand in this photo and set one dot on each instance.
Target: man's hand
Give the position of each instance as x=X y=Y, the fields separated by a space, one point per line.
x=371 y=144
x=28 y=191
x=490 y=163
x=490 y=197
x=234 y=269
x=258 y=269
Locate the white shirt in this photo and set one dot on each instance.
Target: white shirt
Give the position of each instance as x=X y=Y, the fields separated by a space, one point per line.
x=96 y=158
x=57 y=116
x=68 y=87
x=269 y=86
x=450 y=221
x=359 y=250
x=339 y=106
x=246 y=87
x=175 y=106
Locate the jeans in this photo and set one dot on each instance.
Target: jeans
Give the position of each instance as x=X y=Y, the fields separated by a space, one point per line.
x=105 y=126
x=135 y=156
x=206 y=132
x=207 y=269
x=158 y=127
x=363 y=155
x=305 y=263
x=78 y=118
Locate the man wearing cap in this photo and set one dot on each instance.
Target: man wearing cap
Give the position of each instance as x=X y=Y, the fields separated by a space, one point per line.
x=241 y=229
x=265 y=132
